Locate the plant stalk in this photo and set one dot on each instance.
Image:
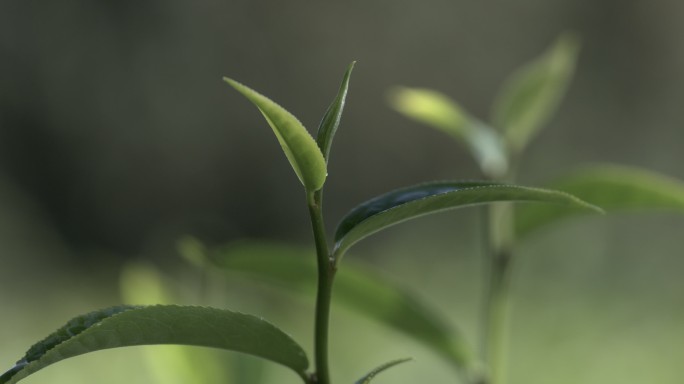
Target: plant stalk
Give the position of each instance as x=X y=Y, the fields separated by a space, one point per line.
x=499 y=244
x=497 y=300
x=326 y=274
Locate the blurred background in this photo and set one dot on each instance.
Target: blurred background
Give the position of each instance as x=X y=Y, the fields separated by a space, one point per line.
x=117 y=136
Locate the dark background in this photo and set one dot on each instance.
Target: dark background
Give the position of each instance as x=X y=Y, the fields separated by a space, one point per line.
x=117 y=134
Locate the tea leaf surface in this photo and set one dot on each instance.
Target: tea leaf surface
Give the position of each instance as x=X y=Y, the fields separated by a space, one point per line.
x=532 y=94
x=441 y=112
x=371 y=375
x=162 y=324
x=408 y=203
x=613 y=188
x=333 y=116
x=357 y=287
x=299 y=147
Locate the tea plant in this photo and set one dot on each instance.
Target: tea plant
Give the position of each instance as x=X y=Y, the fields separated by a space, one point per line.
x=132 y=325
x=525 y=103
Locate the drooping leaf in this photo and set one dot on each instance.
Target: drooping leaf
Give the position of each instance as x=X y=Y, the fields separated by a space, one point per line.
x=439 y=111
x=613 y=188
x=532 y=94
x=332 y=117
x=162 y=324
x=356 y=286
x=408 y=203
x=371 y=375
x=299 y=146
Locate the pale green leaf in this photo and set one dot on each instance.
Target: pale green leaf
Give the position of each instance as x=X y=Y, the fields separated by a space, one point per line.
x=613 y=188
x=333 y=116
x=162 y=324
x=371 y=375
x=532 y=94
x=299 y=147
x=439 y=111
x=408 y=203
x=357 y=287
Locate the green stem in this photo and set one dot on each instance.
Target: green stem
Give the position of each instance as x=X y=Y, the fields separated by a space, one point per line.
x=326 y=274
x=496 y=307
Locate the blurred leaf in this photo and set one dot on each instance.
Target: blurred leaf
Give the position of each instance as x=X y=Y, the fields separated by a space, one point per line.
x=356 y=287
x=332 y=117
x=408 y=203
x=613 y=188
x=371 y=375
x=439 y=111
x=532 y=94
x=162 y=324
x=299 y=147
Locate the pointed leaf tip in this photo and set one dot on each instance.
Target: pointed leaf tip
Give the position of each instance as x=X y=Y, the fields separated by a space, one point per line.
x=333 y=116
x=299 y=146
x=371 y=375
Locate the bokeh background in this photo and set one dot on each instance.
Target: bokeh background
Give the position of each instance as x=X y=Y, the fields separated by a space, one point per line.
x=117 y=136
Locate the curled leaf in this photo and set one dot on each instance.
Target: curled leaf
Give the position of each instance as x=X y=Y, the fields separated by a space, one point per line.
x=333 y=116
x=299 y=147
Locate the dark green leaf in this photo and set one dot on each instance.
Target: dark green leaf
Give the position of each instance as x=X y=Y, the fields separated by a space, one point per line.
x=408 y=203
x=357 y=287
x=299 y=147
x=162 y=324
x=371 y=375
x=613 y=188
x=332 y=117
x=532 y=94
x=439 y=111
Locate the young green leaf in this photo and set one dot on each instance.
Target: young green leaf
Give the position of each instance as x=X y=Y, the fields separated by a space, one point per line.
x=408 y=203
x=299 y=147
x=332 y=117
x=357 y=287
x=613 y=188
x=371 y=375
x=439 y=111
x=532 y=94
x=162 y=324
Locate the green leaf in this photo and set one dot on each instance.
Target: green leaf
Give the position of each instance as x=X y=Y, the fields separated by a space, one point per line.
x=439 y=111
x=532 y=94
x=371 y=375
x=299 y=147
x=161 y=324
x=613 y=188
x=332 y=117
x=408 y=203
x=356 y=286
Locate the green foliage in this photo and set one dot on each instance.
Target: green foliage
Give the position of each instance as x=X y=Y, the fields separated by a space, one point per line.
x=299 y=147
x=532 y=94
x=332 y=117
x=408 y=203
x=612 y=187
x=525 y=104
x=357 y=287
x=162 y=324
x=439 y=111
